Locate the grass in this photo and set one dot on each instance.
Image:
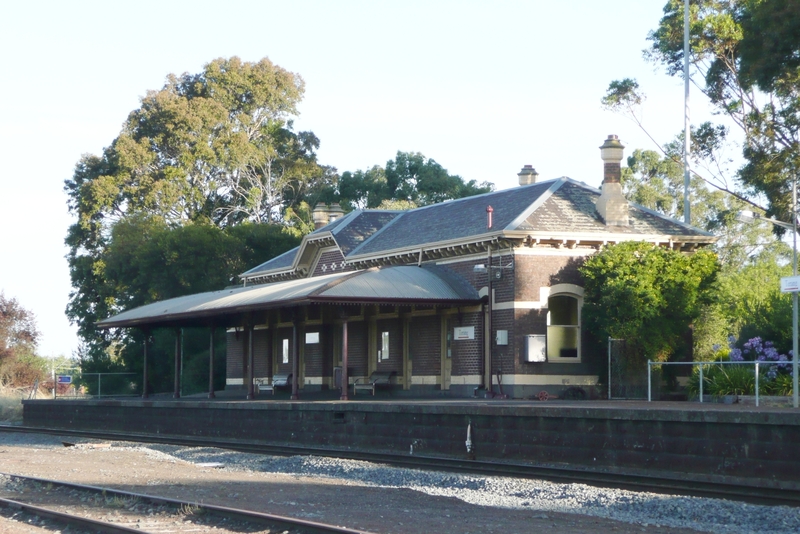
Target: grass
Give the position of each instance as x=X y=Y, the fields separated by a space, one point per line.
x=10 y=405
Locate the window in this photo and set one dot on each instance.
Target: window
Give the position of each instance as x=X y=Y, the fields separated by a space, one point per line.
x=564 y=323
x=383 y=353
x=285 y=351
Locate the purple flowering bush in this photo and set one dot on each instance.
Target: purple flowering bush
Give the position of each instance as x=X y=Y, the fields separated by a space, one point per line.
x=763 y=351
x=774 y=378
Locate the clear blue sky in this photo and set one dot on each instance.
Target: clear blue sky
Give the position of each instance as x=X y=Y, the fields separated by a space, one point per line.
x=482 y=87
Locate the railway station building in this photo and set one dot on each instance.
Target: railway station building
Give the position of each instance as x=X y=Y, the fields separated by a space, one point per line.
x=475 y=296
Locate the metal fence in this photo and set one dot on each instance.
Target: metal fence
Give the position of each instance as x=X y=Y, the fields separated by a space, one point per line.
x=651 y=363
x=105 y=385
x=625 y=373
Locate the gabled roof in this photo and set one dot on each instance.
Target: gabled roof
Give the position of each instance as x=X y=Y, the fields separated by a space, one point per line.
x=554 y=211
x=426 y=285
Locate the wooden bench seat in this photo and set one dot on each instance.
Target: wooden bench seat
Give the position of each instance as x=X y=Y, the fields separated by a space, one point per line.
x=280 y=380
x=375 y=380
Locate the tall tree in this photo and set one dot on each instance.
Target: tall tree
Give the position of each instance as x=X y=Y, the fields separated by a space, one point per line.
x=19 y=336
x=746 y=54
x=215 y=148
x=18 y=332
x=410 y=178
x=656 y=182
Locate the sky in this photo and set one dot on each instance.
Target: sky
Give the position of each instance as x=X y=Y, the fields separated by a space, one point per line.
x=482 y=87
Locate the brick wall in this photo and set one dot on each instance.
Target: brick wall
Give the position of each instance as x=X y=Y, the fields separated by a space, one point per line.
x=330 y=262
x=283 y=333
x=467 y=354
x=395 y=329
x=233 y=367
x=357 y=348
x=262 y=350
x=424 y=342
x=757 y=447
x=534 y=272
x=313 y=353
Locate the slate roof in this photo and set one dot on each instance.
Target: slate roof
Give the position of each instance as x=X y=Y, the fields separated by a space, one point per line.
x=571 y=208
x=284 y=261
x=562 y=206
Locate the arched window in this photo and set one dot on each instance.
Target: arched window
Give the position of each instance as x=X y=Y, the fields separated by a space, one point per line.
x=564 y=323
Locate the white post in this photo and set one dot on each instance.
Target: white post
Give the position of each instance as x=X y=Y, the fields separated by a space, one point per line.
x=649 y=392
x=701 y=382
x=756 y=383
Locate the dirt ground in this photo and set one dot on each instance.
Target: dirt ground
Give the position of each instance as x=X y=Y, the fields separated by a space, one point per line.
x=379 y=510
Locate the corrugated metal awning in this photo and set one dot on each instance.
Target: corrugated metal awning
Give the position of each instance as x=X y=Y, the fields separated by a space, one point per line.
x=390 y=285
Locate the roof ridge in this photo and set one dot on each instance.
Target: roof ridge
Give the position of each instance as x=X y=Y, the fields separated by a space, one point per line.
x=400 y=215
x=541 y=199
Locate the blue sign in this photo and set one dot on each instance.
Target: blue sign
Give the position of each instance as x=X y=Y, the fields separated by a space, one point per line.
x=64 y=379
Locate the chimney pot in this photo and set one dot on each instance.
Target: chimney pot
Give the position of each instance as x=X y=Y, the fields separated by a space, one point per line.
x=612 y=205
x=320 y=215
x=528 y=175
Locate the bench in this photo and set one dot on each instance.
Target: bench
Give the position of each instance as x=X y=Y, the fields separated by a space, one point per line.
x=375 y=380
x=280 y=380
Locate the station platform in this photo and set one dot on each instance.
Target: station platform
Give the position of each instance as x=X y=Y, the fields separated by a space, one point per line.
x=731 y=441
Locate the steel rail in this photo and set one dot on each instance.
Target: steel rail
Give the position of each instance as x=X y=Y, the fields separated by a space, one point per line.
x=64 y=518
x=305 y=526
x=752 y=491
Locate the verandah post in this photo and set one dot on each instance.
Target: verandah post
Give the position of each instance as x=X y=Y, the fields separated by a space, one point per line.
x=176 y=394
x=144 y=371
x=211 y=362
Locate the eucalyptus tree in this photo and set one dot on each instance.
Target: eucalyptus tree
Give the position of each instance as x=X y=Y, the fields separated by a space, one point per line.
x=407 y=181
x=215 y=148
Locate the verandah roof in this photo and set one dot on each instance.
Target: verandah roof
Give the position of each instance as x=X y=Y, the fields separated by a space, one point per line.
x=423 y=285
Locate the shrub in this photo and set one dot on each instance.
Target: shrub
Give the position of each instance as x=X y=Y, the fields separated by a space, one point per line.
x=781 y=386
x=10 y=405
x=719 y=380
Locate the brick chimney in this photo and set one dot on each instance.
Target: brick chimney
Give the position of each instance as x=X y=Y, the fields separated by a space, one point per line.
x=324 y=215
x=612 y=205
x=527 y=175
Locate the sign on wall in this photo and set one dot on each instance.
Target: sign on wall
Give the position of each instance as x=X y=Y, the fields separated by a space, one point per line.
x=312 y=337
x=463 y=332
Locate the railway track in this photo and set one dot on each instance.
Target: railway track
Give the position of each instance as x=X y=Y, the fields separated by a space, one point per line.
x=680 y=485
x=112 y=511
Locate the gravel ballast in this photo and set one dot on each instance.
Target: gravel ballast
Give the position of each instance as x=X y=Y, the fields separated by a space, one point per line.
x=542 y=501
x=712 y=515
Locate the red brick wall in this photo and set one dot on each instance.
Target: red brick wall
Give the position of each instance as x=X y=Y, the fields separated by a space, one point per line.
x=357 y=348
x=395 y=329
x=327 y=260
x=533 y=272
x=467 y=354
x=424 y=342
x=313 y=354
x=234 y=356
x=261 y=351
x=283 y=333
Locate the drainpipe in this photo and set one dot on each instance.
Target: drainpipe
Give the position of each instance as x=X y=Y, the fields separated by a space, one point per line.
x=488 y=340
